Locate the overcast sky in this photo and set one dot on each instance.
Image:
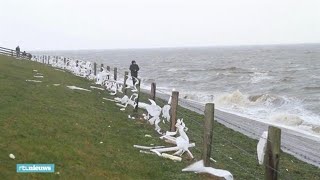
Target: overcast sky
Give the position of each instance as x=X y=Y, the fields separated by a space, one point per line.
x=110 y=24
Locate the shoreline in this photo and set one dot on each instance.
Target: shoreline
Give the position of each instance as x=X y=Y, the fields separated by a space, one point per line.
x=303 y=146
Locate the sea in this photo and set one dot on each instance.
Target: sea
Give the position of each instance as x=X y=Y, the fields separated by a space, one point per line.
x=278 y=84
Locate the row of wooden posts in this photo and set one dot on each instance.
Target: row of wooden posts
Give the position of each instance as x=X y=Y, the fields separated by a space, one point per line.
x=272 y=155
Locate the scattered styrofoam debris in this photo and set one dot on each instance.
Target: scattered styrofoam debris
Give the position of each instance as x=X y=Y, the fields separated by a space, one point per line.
x=35 y=70
x=60 y=70
x=109 y=99
x=199 y=167
x=56 y=84
x=147 y=147
x=146 y=152
x=213 y=160
x=93 y=87
x=28 y=80
x=78 y=88
x=147 y=135
x=262 y=146
x=38 y=76
x=133 y=118
x=109 y=126
x=172 y=157
x=182 y=141
x=12 y=156
x=101 y=142
x=155 y=151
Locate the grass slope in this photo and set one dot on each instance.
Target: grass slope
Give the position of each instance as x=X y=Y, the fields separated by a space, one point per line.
x=41 y=123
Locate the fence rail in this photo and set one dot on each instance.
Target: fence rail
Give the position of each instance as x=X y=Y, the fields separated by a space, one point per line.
x=14 y=53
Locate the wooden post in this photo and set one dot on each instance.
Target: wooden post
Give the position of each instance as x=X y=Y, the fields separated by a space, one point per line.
x=272 y=155
x=64 y=61
x=101 y=68
x=208 y=133
x=48 y=59
x=115 y=70
x=108 y=69
x=137 y=100
x=95 y=69
x=174 y=110
x=153 y=91
x=124 y=89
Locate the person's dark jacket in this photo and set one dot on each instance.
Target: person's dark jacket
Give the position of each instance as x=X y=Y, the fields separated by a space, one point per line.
x=134 y=68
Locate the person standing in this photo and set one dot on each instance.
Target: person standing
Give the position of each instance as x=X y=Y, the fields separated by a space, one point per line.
x=18 y=51
x=134 y=68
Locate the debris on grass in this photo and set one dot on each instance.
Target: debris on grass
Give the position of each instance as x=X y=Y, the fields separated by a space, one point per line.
x=94 y=87
x=78 y=88
x=30 y=80
x=12 y=156
x=38 y=76
x=147 y=147
x=147 y=135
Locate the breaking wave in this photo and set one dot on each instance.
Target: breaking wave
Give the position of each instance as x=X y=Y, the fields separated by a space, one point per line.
x=237 y=98
x=287 y=119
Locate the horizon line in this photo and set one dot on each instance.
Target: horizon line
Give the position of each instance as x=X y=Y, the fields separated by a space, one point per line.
x=179 y=47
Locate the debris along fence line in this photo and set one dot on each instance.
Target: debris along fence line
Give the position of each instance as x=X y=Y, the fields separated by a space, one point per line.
x=201 y=133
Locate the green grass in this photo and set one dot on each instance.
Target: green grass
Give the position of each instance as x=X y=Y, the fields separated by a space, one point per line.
x=42 y=123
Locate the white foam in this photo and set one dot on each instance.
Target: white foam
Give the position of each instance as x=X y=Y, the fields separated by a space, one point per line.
x=287 y=119
x=316 y=129
x=233 y=99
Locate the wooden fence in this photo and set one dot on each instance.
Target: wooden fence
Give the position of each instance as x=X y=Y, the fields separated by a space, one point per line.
x=14 y=53
x=272 y=155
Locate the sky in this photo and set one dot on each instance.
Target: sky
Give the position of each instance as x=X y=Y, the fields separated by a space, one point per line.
x=113 y=24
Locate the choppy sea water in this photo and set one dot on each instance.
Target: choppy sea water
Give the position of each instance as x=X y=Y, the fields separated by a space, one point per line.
x=276 y=83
